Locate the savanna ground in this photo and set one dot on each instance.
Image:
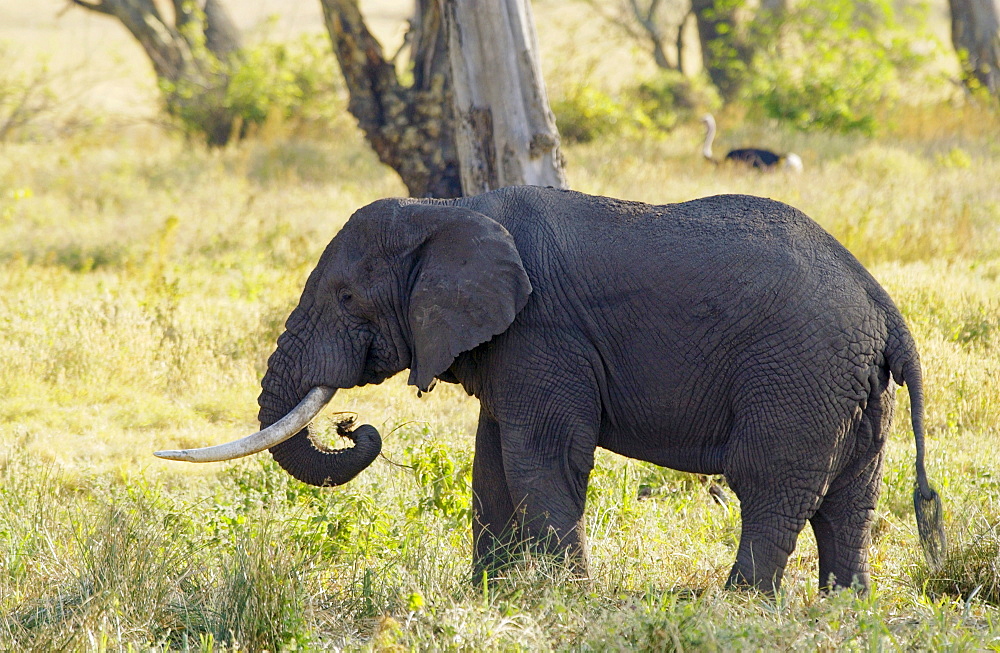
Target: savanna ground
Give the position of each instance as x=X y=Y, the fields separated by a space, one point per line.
x=144 y=280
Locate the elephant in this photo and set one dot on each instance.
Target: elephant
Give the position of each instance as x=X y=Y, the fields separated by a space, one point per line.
x=726 y=335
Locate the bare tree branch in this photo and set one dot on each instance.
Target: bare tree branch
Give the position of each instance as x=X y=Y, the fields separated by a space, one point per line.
x=99 y=6
x=642 y=22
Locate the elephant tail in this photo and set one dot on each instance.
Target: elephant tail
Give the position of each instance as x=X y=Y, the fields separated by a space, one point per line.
x=904 y=364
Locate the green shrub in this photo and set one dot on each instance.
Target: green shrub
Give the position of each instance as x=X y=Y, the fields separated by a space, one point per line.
x=657 y=103
x=444 y=476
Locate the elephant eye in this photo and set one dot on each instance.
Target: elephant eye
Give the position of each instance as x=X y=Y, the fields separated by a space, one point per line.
x=345 y=296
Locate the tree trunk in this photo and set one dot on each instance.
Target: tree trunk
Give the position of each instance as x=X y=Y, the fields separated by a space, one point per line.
x=975 y=33
x=409 y=127
x=506 y=132
x=725 y=52
x=222 y=37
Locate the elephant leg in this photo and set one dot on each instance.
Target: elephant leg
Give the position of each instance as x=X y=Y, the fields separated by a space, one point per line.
x=547 y=472
x=550 y=509
x=548 y=407
x=775 y=504
x=494 y=528
x=842 y=524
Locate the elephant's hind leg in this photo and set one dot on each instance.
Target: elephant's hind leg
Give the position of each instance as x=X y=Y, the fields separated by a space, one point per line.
x=843 y=522
x=779 y=490
x=843 y=530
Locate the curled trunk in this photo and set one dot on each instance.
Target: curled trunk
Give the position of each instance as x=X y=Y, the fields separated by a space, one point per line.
x=309 y=463
x=287 y=438
x=312 y=463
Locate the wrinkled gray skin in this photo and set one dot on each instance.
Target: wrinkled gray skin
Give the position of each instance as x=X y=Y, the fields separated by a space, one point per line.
x=727 y=335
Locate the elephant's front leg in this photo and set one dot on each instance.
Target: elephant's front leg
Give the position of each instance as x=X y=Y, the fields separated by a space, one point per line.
x=548 y=464
x=494 y=528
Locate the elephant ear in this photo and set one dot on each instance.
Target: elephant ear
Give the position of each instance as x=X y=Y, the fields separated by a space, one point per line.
x=468 y=285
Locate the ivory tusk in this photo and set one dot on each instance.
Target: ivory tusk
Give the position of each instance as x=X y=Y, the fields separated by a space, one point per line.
x=284 y=428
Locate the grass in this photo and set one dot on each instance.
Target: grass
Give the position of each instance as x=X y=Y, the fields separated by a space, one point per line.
x=144 y=281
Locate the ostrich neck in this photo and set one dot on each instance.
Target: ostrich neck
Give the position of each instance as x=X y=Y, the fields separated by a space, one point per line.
x=709 y=137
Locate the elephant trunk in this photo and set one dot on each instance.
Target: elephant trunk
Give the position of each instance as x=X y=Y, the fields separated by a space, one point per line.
x=309 y=463
x=307 y=460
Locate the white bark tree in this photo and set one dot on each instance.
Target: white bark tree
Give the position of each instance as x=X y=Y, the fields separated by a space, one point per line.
x=473 y=116
x=506 y=134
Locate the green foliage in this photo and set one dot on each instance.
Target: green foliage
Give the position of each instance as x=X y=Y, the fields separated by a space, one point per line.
x=586 y=113
x=293 y=80
x=835 y=63
x=289 y=84
x=445 y=478
x=325 y=524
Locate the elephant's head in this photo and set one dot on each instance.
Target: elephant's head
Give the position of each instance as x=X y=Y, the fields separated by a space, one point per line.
x=403 y=285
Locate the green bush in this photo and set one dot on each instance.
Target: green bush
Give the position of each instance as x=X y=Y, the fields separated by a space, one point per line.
x=658 y=103
x=669 y=97
x=444 y=476
x=839 y=61
x=290 y=83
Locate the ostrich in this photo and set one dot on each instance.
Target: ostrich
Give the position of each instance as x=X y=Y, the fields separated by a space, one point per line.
x=751 y=156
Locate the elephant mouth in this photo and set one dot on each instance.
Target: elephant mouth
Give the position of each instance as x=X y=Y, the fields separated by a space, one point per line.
x=297 y=419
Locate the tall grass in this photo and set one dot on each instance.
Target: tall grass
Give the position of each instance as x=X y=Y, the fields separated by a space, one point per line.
x=143 y=283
